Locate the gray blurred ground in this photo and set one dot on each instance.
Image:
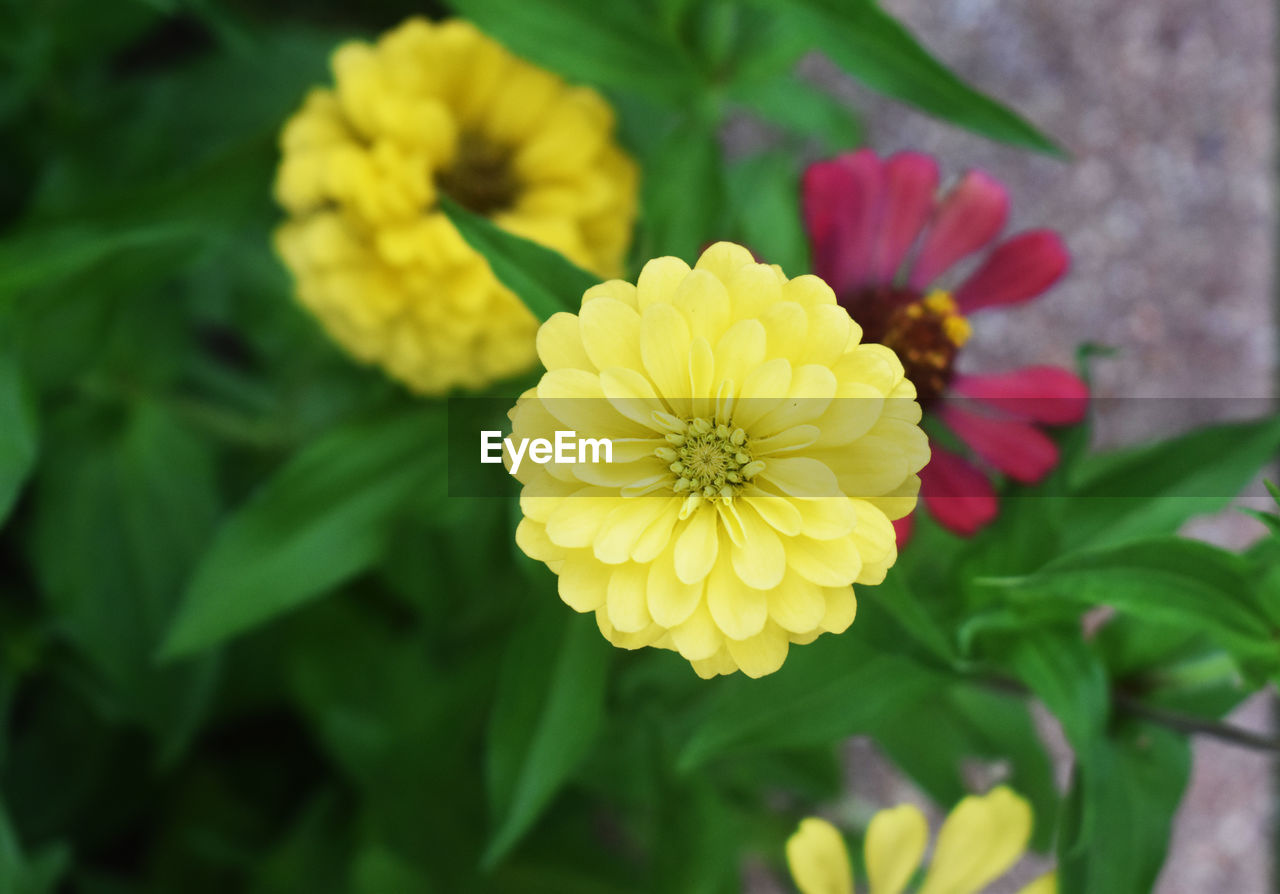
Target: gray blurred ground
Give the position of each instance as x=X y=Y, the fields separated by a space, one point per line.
x=1167 y=205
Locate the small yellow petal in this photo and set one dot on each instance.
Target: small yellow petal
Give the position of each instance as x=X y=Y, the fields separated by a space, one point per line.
x=893 y=848
x=762 y=654
x=659 y=280
x=981 y=838
x=696 y=547
x=818 y=859
x=738 y=610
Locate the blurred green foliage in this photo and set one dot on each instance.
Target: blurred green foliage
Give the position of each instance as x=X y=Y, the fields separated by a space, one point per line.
x=247 y=640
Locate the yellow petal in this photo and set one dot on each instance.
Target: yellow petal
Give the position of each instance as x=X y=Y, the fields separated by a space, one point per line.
x=658 y=281
x=869 y=467
x=724 y=258
x=763 y=389
x=702 y=367
x=611 y=333
x=697 y=546
x=780 y=512
x=658 y=535
x=560 y=343
x=760 y=561
x=856 y=407
x=698 y=638
x=842 y=607
x=584 y=582
x=664 y=346
x=877 y=542
x=762 y=654
x=753 y=289
x=575 y=399
x=981 y=838
x=738 y=610
x=800 y=476
x=739 y=350
x=797 y=605
x=704 y=301
x=531 y=537
x=893 y=848
x=671 y=600
x=627 y=606
x=830 y=334
x=786 y=325
x=576 y=520
x=617 y=289
x=825 y=518
x=808 y=290
x=632 y=395
x=624 y=525
x=818 y=859
x=828 y=563
x=812 y=389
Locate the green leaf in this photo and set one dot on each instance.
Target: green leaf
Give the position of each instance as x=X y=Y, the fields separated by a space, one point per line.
x=1154 y=488
x=934 y=740
x=52 y=253
x=896 y=599
x=764 y=195
x=1120 y=809
x=322 y=519
x=611 y=45
x=1185 y=583
x=544 y=280
x=124 y=502
x=20 y=874
x=876 y=49
x=546 y=716
x=401 y=724
x=17 y=420
x=803 y=109
x=1067 y=675
x=184 y=211
x=826 y=691
x=683 y=199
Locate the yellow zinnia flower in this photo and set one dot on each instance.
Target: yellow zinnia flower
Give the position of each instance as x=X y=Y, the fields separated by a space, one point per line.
x=760 y=454
x=436 y=109
x=980 y=839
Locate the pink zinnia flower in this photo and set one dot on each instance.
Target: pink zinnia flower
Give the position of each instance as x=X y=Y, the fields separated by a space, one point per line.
x=882 y=236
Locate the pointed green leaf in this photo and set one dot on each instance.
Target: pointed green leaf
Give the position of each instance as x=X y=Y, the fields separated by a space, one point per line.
x=1185 y=583
x=546 y=716
x=546 y=281
x=1153 y=488
x=876 y=49
x=610 y=45
x=319 y=521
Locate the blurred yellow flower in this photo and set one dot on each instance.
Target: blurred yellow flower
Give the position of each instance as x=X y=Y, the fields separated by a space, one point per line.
x=980 y=839
x=436 y=109
x=759 y=455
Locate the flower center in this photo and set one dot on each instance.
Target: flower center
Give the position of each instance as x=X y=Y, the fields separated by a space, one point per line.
x=481 y=178
x=926 y=333
x=709 y=458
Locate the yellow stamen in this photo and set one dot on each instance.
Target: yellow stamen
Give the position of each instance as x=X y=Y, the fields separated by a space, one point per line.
x=954 y=325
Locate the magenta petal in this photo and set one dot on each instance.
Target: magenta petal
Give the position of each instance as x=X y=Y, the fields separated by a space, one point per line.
x=956 y=493
x=1049 y=395
x=911 y=182
x=903 y=527
x=842 y=207
x=968 y=217
x=1019 y=449
x=1018 y=270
